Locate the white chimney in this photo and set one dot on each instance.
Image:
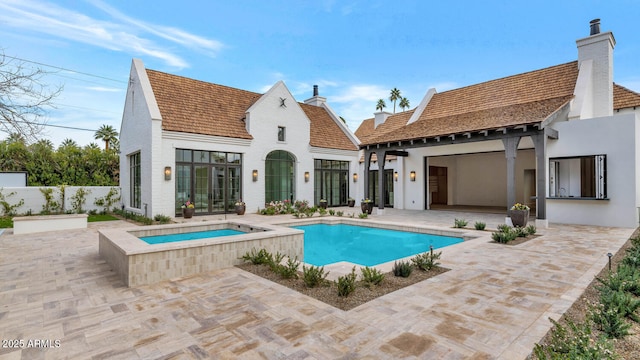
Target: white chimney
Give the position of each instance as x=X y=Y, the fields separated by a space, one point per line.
x=380 y=118
x=316 y=100
x=595 y=61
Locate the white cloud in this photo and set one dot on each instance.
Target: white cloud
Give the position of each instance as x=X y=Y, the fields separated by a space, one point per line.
x=103 y=89
x=122 y=34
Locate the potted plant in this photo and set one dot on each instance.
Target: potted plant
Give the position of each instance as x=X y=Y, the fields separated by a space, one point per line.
x=323 y=204
x=241 y=207
x=367 y=206
x=188 y=209
x=519 y=215
x=351 y=202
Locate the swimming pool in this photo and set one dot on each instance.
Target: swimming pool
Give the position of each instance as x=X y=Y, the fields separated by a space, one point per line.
x=366 y=246
x=161 y=239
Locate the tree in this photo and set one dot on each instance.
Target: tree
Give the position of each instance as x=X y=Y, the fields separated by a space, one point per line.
x=381 y=105
x=395 y=96
x=107 y=134
x=404 y=103
x=24 y=98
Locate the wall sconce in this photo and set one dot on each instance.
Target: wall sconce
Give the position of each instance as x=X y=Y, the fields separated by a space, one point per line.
x=412 y=176
x=395 y=175
x=255 y=175
x=355 y=177
x=306 y=176
x=167 y=173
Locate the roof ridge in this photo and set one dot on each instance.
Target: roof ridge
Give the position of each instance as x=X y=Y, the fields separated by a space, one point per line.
x=204 y=82
x=626 y=88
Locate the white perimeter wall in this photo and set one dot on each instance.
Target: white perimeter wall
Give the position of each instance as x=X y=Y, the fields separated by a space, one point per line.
x=615 y=136
x=34 y=199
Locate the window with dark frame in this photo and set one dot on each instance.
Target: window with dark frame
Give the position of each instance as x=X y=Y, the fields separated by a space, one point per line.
x=579 y=177
x=281 y=133
x=135 y=180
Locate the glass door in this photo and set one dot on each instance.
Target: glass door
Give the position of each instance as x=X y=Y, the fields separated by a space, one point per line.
x=217 y=188
x=201 y=189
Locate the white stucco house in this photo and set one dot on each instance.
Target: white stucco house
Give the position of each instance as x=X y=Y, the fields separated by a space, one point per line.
x=563 y=140
x=188 y=140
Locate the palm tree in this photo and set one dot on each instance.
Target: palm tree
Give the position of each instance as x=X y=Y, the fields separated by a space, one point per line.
x=107 y=134
x=404 y=103
x=395 y=95
x=381 y=105
x=68 y=143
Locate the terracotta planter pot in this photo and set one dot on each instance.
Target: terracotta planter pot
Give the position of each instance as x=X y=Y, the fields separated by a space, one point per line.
x=240 y=209
x=519 y=217
x=351 y=203
x=187 y=213
x=323 y=204
x=367 y=207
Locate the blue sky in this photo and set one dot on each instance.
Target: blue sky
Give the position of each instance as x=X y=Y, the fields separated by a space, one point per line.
x=356 y=51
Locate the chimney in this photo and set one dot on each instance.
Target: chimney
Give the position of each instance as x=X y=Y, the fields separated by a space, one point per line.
x=315 y=100
x=595 y=61
x=380 y=118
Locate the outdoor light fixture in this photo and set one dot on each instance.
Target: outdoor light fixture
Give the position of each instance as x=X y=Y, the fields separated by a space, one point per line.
x=412 y=176
x=167 y=173
x=255 y=175
x=395 y=175
x=355 y=177
x=306 y=176
x=609 y=255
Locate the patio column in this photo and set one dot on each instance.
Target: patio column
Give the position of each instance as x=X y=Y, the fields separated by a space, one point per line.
x=510 y=150
x=540 y=144
x=365 y=176
x=381 y=160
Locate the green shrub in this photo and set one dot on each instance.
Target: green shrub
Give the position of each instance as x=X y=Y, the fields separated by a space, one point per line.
x=426 y=261
x=289 y=271
x=332 y=212
x=347 y=284
x=162 y=219
x=402 y=268
x=530 y=229
x=623 y=303
x=479 y=225
x=609 y=321
x=626 y=279
x=632 y=257
x=79 y=198
x=339 y=213
x=8 y=209
x=520 y=231
x=274 y=261
x=108 y=200
x=574 y=342
x=504 y=228
x=313 y=275
x=258 y=257
x=50 y=205
x=322 y=211
x=363 y=216
x=371 y=276
x=460 y=223
x=504 y=237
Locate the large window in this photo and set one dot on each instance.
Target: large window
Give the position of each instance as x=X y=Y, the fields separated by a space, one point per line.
x=279 y=176
x=209 y=179
x=331 y=181
x=578 y=177
x=135 y=181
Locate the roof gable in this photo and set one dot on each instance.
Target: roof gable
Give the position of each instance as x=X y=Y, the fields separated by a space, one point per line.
x=624 y=98
x=325 y=133
x=199 y=107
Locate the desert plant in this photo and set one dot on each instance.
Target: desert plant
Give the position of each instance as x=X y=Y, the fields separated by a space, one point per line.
x=274 y=261
x=531 y=229
x=479 y=225
x=162 y=219
x=257 y=257
x=322 y=211
x=626 y=278
x=363 y=215
x=504 y=228
x=371 y=276
x=621 y=302
x=332 y=212
x=609 y=321
x=402 y=268
x=339 y=213
x=574 y=342
x=347 y=284
x=289 y=271
x=426 y=261
x=313 y=275
x=78 y=199
x=520 y=231
x=460 y=223
x=504 y=237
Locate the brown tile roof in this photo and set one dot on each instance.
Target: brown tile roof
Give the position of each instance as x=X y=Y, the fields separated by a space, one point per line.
x=394 y=122
x=325 y=133
x=624 y=98
x=199 y=107
x=365 y=129
x=515 y=100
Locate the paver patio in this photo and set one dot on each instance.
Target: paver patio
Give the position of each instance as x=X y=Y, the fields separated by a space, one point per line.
x=494 y=303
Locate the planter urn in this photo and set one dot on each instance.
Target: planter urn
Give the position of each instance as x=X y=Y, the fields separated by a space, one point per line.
x=367 y=207
x=187 y=213
x=519 y=217
x=351 y=203
x=240 y=209
x=323 y=204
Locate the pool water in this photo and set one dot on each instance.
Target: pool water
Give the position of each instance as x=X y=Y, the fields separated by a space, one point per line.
x=325 y=244
x=160 y=239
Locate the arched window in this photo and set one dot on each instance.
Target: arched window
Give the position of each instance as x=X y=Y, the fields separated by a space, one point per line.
x=279 y=176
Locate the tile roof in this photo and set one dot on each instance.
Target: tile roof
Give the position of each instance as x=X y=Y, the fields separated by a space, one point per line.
x=624 y=98
x=325 y=133
x=515 y=100
x=199 y=107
